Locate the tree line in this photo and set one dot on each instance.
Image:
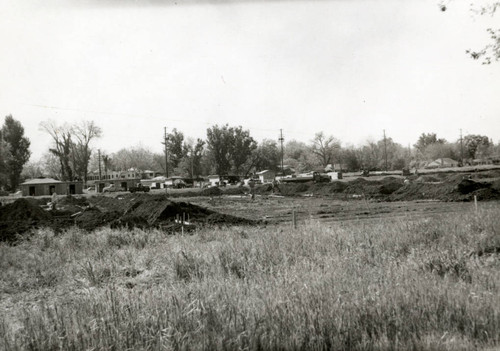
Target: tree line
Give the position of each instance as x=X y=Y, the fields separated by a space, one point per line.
x=225 y=150
x=232 y=150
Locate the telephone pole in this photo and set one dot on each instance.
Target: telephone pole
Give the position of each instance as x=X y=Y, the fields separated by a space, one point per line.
x=166 y=150
x=461 y=148
x=99 y=160
x=281 y=139
x=385 y=151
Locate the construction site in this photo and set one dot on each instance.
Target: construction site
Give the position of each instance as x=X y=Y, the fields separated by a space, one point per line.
x=185 y=210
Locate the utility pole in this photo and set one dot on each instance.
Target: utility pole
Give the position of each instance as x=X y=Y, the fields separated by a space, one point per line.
x=99 y=160
x=166 y=150
x=385 y=151
x=281 y=139
x=461 y=148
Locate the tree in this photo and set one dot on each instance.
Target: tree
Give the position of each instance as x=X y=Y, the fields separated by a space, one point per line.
x=372 y=155
x=4 y=160
x=325 y=148
x=266 y=156
x=61 y=136
x=299 y=156
x=427 y=139
x=229 y=148
x=491 y=51
x=191 y=162
x=106 y=161
x=175 y=147
x=83 y=133
x=219 y=143
x=51 y=165
x=32 y=170
x=473 y=143
x=350 y=159
x=137 y=157
x=445 y=150
x=72 y=146
x=242 y=148
x=18 y=148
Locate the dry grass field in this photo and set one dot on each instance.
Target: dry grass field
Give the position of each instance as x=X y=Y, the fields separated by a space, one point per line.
x=408 y=283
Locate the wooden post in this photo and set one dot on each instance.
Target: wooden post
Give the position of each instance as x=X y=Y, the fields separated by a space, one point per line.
x=475 y=203
x=294 y=220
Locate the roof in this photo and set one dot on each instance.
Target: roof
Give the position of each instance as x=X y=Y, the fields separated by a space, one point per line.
x=41 y=181
x=264 y=172
x=441 y=161
x=158 y=179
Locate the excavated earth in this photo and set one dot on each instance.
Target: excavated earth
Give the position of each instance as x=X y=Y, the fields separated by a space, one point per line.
x=441 y=187
x=129 y=211
x=159 y=211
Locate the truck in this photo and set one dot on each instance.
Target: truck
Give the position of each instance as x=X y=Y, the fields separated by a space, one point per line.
x=307 y=177
x=139 y=187
x=110 y=189
x=321 y=177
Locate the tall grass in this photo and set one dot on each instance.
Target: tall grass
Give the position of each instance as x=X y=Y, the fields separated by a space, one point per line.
x=421 y=284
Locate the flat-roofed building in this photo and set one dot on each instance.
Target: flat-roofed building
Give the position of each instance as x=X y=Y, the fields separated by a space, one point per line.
x=48 y=186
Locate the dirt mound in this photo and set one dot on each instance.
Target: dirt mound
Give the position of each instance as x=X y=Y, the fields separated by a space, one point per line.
x=455 y=189
x=428 y=179
x=146 y=210
x=263 y=189
x=235 y=190
x=294 y=189
x=389 y=188
x=23 y=209
x=72 y=200
x=485 y=194
x=467 y=186
x=21 y=216
x=129 y=211
x=422 y=191
x=93 y=218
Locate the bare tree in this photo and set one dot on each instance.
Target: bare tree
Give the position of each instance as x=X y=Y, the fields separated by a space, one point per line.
x=83 y=134
x=61 y=135
x=72 y=146
x=324 y=148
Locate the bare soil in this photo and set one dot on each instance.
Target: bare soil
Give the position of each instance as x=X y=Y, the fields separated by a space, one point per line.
x=351 y=199
x=129 y=210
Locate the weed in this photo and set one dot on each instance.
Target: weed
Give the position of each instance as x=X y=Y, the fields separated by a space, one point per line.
x=391 y=285
x=188 y=267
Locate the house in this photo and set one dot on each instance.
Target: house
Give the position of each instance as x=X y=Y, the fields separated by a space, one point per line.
x=155 y=183
x=334 y=175
x=175 y=182
x=443 y=163
x=48 y=186
x=215 y=180
x=94 y=177
x=266 y=176
x=120 y=184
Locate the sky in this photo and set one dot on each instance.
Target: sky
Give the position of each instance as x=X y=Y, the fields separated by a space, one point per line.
x=349 y=68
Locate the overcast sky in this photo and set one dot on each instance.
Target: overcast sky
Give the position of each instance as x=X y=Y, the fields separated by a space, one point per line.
x=350 y=68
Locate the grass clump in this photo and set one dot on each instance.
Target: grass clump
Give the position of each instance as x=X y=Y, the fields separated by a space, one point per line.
x=420 y=284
